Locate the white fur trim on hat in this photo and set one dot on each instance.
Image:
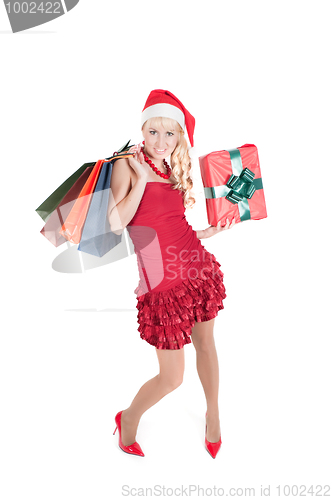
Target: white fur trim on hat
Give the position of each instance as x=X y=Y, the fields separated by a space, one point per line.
x=164 y=110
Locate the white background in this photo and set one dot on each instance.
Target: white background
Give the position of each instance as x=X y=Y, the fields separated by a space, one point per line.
x=72 y=92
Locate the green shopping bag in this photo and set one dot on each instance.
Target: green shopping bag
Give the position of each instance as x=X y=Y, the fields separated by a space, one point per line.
x=50 y=204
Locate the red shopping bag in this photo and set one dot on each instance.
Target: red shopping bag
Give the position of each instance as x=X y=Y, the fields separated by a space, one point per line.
x=54 y=223
x=72 y=228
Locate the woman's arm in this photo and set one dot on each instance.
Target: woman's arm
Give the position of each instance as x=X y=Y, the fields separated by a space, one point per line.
x=212 y=230
x=124 y=200
x=200 y=234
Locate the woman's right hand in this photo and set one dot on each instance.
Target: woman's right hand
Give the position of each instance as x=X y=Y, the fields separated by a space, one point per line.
x=137 y=162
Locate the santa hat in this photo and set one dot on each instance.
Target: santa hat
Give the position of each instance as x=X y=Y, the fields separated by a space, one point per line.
x=164 y=103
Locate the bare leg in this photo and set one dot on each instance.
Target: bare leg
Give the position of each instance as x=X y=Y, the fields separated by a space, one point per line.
x=171 y=363
x=208 y=372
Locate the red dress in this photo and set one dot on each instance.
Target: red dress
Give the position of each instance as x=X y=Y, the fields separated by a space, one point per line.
x=180 y=281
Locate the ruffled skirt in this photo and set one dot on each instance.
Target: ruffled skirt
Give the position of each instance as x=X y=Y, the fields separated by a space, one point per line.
x=166 y=318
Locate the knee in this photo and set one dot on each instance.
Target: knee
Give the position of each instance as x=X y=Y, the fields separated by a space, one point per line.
x=171 y=383
x=202 y=336
x=204 y=344
x=176 y=382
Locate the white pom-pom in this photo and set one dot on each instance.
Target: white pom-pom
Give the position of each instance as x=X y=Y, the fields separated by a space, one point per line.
x=192 y=152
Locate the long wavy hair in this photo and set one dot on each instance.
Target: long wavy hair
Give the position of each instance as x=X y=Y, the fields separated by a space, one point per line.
x=180 y=159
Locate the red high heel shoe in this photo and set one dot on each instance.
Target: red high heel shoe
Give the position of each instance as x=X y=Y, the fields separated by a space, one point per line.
x=133 y=449
x=212 y=448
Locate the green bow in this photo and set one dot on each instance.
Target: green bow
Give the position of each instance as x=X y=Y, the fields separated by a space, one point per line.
x=240 y=186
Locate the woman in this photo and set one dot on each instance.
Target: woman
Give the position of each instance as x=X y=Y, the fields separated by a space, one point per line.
x=181 y=289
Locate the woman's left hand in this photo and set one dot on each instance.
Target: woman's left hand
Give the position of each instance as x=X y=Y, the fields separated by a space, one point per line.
x=212 y=230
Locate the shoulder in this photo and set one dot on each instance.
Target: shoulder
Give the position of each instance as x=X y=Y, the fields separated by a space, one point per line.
x=121 y=178
x=122 y=170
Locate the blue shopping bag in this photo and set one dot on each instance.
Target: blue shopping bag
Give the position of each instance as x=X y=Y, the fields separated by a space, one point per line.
x=97 y=238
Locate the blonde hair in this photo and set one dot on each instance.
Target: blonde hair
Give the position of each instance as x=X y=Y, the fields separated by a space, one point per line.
x=180 y=159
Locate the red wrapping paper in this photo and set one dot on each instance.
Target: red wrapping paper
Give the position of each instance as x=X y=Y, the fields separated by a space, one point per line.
x=216 y=169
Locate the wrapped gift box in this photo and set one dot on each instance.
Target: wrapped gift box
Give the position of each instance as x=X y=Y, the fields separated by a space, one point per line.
x=233 y=185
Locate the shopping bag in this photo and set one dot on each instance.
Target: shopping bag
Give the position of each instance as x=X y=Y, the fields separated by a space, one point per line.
x=54 y=223
x=97 y=237
x=73 y=225
x=50 y=204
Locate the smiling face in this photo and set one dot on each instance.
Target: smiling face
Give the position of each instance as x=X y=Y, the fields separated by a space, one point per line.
x=161 y=136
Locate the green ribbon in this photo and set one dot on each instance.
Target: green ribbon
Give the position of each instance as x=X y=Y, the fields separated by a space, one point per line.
x=239 y=188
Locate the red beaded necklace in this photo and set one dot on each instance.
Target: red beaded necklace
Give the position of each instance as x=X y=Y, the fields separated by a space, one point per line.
x=155 y=169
